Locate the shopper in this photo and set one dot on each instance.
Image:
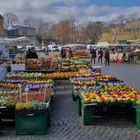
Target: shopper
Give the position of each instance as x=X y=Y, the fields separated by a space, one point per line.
x=107 y=57
x=93 y=55
x=31 y=54
x=63 y=53
x=70 y=51
x=100 y=55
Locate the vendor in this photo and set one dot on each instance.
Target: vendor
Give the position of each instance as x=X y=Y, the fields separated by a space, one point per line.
x=31 y=54
x=70 y=52
x=67 y=54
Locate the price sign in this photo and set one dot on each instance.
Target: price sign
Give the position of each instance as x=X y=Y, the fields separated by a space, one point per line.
x=19 y=85
x=46 y=85
x=26 y=89
x=81 y=70
x=17 y=67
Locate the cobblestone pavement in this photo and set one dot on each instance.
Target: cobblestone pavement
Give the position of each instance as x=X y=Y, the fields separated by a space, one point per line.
x=67 y=125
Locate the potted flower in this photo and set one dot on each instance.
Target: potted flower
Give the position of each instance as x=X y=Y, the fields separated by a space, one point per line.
x=137 y=106
x=31 y=118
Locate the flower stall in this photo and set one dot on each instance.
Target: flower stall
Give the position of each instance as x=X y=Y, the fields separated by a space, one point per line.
x=100 y=91
x=53 y=65
x=30 y=99
x=81 y=54
x=30 y=92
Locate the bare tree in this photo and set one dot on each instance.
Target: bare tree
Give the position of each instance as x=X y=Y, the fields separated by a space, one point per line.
x=132 y=17
x=121 y=20
x=43 y=28
x=62 y=31
x=133 y=24
x=29 y=21
x=45 y=32
x=113 y=26
x=94 y=31
x=10 y=19
x=32 y=22
x=73 y=29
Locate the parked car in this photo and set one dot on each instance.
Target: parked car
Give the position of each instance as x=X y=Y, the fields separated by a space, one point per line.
x=137 y=49
x=53 y=48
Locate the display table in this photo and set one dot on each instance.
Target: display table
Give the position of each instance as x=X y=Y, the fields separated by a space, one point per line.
x=31 y=121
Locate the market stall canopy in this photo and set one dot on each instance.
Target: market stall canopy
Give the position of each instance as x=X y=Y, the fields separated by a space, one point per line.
x=137 y=41
x=102 y=45
x=15 y=41
x=75 y=46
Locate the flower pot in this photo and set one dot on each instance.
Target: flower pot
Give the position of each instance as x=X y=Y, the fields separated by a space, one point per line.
x=137 y=116
x=88 y=112
x=31 y=121
x=79 y=106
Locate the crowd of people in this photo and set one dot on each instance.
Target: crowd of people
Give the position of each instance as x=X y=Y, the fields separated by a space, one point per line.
x=122 y=55
x=97 y=55
x=100 y=54
x=126 y=54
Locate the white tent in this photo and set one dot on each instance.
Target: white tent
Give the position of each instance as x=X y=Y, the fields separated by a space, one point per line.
x=15 y=41
x=102 y=45
x=75 y=46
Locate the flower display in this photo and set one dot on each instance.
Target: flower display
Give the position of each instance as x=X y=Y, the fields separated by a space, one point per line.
x=40 y=63
x=103 y=89
x=16 y=89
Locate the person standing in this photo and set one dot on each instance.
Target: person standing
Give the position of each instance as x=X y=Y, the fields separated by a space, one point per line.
x=67 y=54
x=31 y=54
x=93 y=55
x=107 y=57
x=62 y=52
x=100 y=55
x=70 y=51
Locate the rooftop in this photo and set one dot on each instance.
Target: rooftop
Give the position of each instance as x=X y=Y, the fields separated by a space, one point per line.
x=20 y=27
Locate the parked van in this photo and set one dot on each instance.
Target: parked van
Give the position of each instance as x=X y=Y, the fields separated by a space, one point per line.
x=89 y=46
x=53 y=48
x=75 y=46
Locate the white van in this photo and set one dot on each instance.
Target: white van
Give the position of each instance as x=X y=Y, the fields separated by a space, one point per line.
x=89 y=46
x=75 y=46
x=54 y=48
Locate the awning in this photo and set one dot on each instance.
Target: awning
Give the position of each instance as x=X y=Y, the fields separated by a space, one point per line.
x=15 y=41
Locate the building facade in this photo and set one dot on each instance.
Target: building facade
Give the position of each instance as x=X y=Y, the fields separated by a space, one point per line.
x=1 y=26
x=19 y=31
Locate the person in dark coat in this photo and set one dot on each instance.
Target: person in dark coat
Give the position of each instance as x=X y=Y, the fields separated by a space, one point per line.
x=100 y=55
x=107 y=57
x=31 y=54
x=70 y=51
x=63 y=53
x=93 y=55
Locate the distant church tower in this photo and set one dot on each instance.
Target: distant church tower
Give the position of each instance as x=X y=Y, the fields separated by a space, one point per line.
x=1 y=26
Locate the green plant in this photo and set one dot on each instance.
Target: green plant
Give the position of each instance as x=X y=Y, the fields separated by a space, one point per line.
x=21 y=105
x=39 y=105
x=28 y=105
x=138 y=102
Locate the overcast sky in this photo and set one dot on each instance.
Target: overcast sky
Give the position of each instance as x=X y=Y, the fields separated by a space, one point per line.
x=82 y=10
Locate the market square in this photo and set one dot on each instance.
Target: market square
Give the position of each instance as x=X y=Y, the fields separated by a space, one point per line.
x=70 y=70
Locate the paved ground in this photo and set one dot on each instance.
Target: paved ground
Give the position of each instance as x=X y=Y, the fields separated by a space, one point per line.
x=67 y=125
